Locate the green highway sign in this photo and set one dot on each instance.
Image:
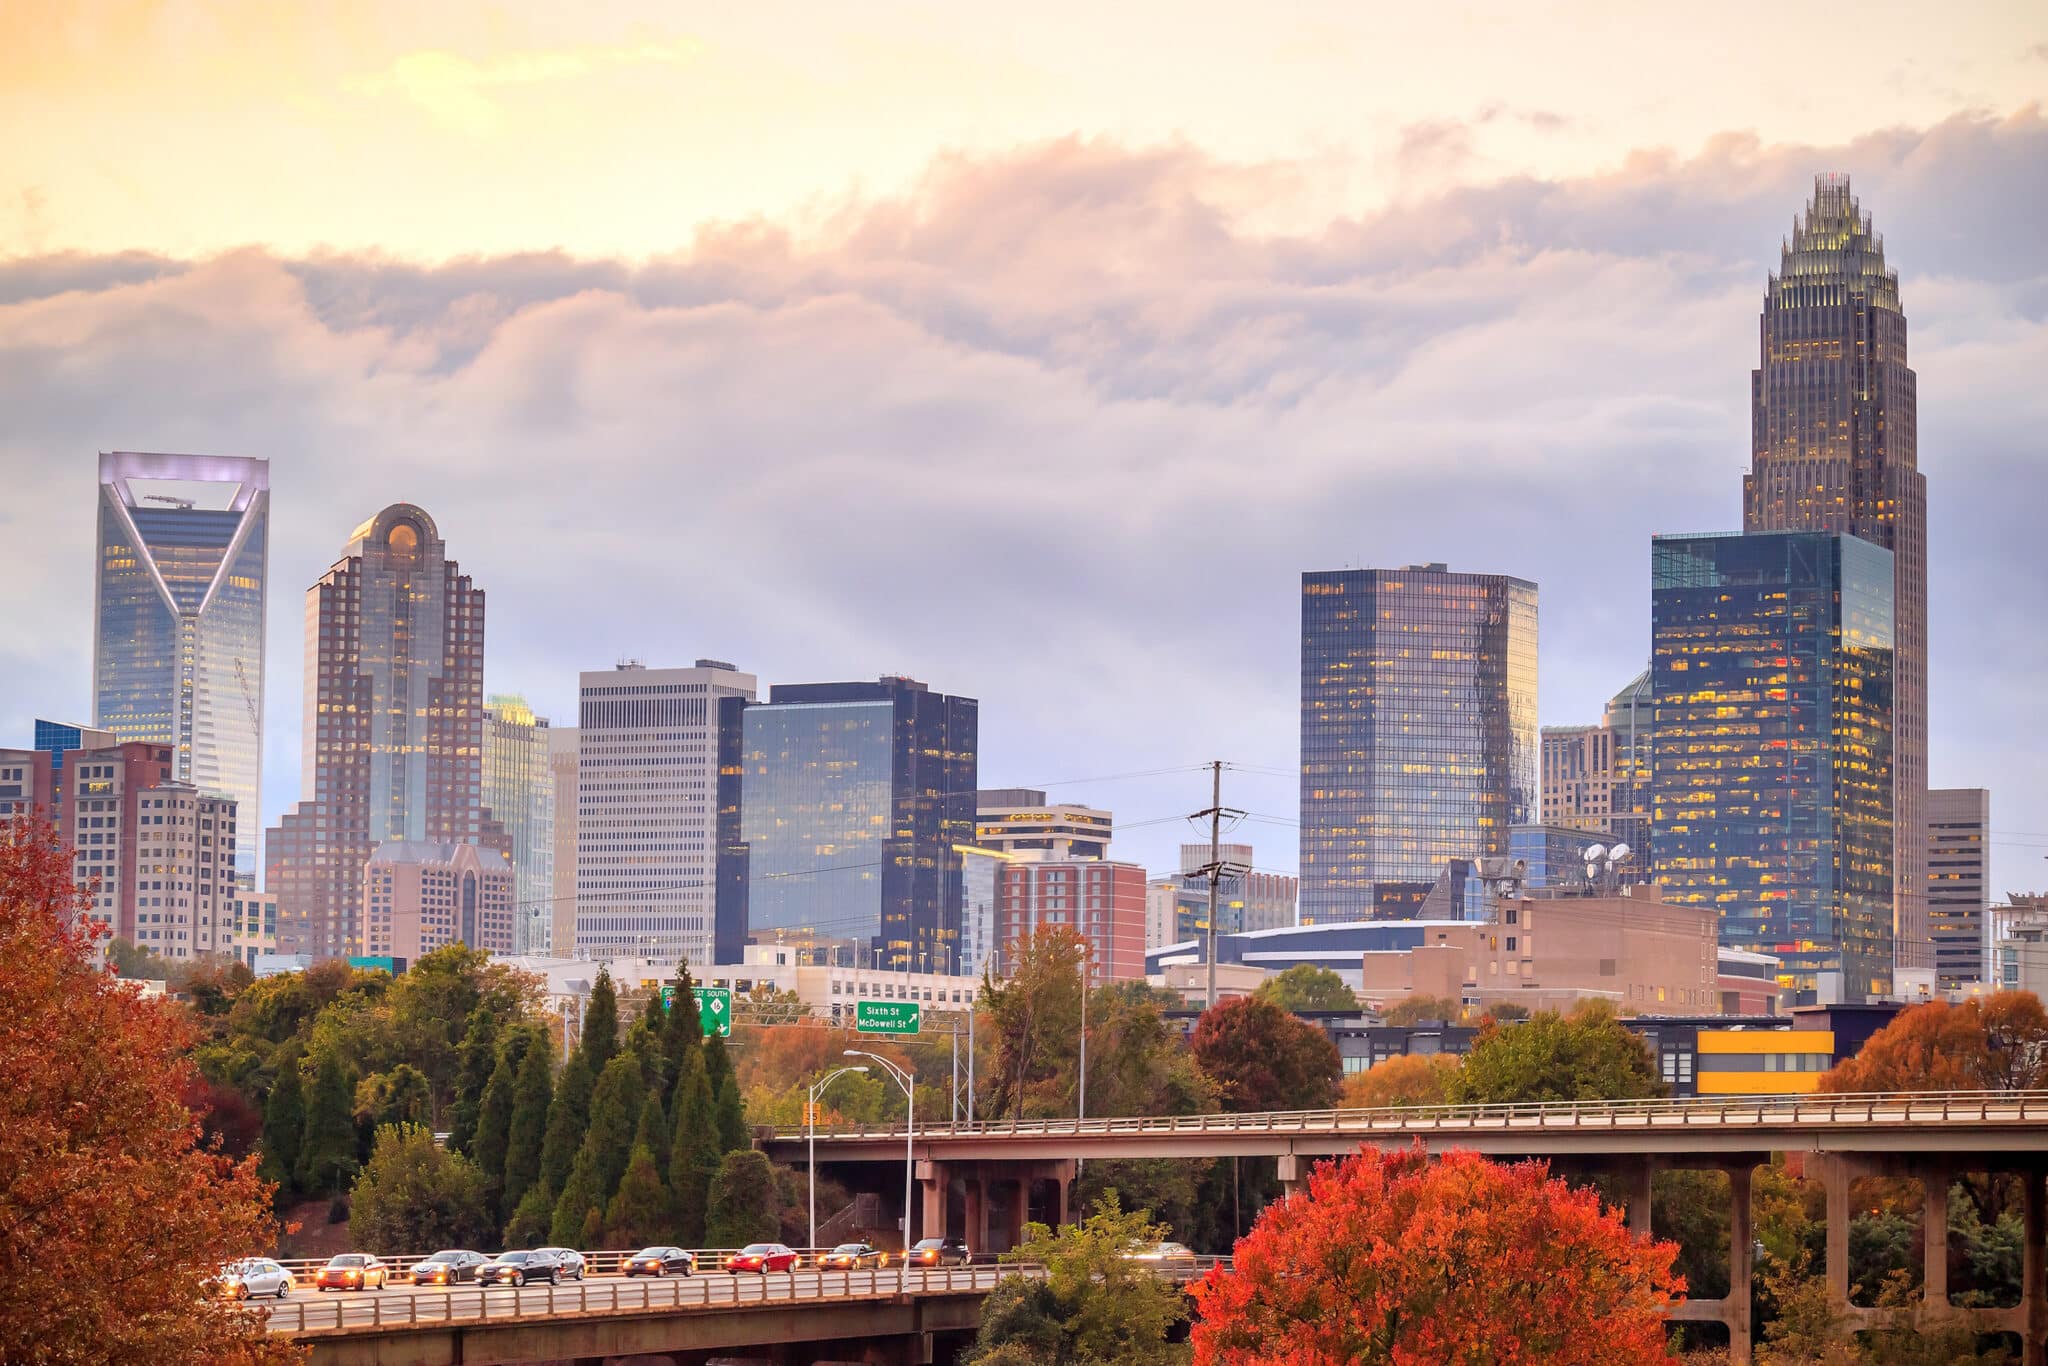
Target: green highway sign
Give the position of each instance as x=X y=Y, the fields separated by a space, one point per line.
x=886 y=1017
x=714 y=1008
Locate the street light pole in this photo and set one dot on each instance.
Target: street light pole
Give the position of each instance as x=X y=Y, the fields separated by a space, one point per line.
x=908 y=1081
x=817 y=1089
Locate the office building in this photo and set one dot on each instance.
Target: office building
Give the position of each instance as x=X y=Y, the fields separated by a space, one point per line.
x=562 y=763
x=2018 y=935
x=418 y=897
x=1418 y=732
x=393 y=734
x=1246 y=898
x=1163 y=923
x=1101 y=900
x=252 y=925
x=647 y=830
x=1957 y=848
x=855 y=799
x=1020 y=821
x=1771 y=749
x=57 y=739
x=519 y=792
x=184 y=543
x=1835 y=448
x=1597 y=778
x=979 y=870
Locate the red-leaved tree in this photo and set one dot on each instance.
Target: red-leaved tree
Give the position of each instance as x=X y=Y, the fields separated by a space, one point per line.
x=1406 y=1261
x=1262 y=1057
x=112 y=1214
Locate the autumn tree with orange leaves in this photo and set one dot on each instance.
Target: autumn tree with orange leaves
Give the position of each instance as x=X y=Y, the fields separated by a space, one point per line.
x=112 y=1213
x=1992 y=1043
x=1407 y=1261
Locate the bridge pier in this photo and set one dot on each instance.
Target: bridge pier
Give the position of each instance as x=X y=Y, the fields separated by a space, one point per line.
x=934 y=1182
x=1291 y=1175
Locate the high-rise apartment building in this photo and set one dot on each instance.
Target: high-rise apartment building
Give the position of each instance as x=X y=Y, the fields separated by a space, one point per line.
x=1957 y=849
x=647 y=830
x=1771 y=749
x=1247 y=898
x=1597 y=778
x=562 y=762
x=1019 y=820
x=855 y=798
x=519 y=791
x=393 y=735
x=1099 y=899
x=418 y=897
x=1835 y=448
x=184 y=543
x=1418 y=732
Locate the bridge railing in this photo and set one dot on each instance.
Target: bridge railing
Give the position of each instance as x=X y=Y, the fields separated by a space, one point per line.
x=1813 y=1109
x=603 y=1262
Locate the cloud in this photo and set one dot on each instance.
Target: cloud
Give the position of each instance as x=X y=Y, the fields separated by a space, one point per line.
x=459 y=91
x=1057 y=430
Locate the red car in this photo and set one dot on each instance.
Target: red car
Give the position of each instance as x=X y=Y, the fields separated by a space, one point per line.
x=761 y=1257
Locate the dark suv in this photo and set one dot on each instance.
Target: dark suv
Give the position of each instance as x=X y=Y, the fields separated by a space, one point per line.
x=938 y=1252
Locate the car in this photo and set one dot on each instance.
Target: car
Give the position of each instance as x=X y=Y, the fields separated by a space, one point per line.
x=448 y=1267
x=574 y=1268
x=852 y=1256
x=762 y=1257
x=1160 y=1252
x=938 y=1252
x=659 y=1261
x=254 y=1277
x=522 y=1268
x=352 y=1271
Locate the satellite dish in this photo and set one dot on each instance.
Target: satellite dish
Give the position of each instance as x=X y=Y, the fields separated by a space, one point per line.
x=1619 y=853
x=1593 y=853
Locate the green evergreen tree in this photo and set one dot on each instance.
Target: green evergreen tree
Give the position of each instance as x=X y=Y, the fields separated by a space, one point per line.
x=694 y=1153
x=527 y=1133
x=651 y=1017
x=478 y=1055
x=745 y=1206
x=568 y=1117
x=284 y=1123
x=533 y=1220
x=732 y=1117
x=607 y=1147
x=640 y=1212
x=494 y=1115
x=601 y=1023
x=684 y=1035
x=645 y=1045
x=327 y=1156
x=653 y=1132
x=717 y=1062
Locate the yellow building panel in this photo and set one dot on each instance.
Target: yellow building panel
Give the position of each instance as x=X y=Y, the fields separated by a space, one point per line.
x=1759 y=1083
x=1785 y=1042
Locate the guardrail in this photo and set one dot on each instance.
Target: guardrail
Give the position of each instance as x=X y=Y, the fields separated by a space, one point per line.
x=1876 y=1107
x=606 y=1262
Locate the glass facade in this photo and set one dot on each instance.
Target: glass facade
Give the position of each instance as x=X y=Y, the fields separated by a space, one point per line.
x=1771 y=749
x=519 y=789
x=178 y=616
x=1418 y=732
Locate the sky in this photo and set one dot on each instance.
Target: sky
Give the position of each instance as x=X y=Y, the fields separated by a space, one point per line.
x=1031 y=351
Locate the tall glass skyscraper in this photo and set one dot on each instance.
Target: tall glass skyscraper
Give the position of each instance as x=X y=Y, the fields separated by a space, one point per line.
x=178 y=617
x=854 y=798
x=1418 y=732
x=1835 y=447
x=1771 y=667
x=519 y=789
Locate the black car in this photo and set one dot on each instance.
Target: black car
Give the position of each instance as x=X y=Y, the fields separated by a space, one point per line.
x=938 y=1252
x=522 y=1268
x=852 y=1256
x=659 y=1261
x=448 y=1267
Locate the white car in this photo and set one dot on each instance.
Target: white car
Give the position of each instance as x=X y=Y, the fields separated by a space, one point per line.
x=254 y=1278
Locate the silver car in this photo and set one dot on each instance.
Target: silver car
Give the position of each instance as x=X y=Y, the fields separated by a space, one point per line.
x=573 y=1265
x=255 y=1278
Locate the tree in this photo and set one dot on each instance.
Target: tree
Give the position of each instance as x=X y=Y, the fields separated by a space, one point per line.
x=98 y=1152
x=1586 y=1055
x=494 y=1115
x=133 y=961
x=1262 y=1058
x=1034 y=1028
x=327 y=1157
x=640 y=1211
x=731 y=1116
x=1403 y=1259
x=284 y=1123
x=568 y=1117
x=1095 y=1307
x=607 y=1147
x=413 y=1197
x=1407 y=1080
x=400 y=1096
x=682 y=1032
x=1991 y=1043
x=601 y=1023
x=479 y=1054
x=1138 y=1064
x=1416 y=1009
x=1308 y=987
x=744 y=1206
x=653 y=1133
x=527 y=1133
x=695 y=1152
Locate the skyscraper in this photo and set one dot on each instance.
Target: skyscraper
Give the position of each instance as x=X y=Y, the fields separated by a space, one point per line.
x=1835 y=439
x=1771 y=749
x=393 y=730
x=647 y=836
x=519 y=791
x=184 y=544
x=1957 y=848
x=1020 y=821
x=562 y=761
x=855 y=799
x=1418 y=732
x=1597 y=778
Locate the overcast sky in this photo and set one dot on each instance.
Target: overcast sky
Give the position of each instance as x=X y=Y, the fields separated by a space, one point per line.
x=1031 y=351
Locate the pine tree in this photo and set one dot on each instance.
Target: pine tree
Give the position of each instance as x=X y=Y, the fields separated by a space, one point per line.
x=568 y=1117
x=717 y=1062
x=732 y=1117
x=479 y=1058
x=645 y=1045
x=651 y=1014
x=607 y=1147
x=531 y=1223
x=653 y=1133
x=745 y=1207
x=601 y=1023
x=327 y=1156
x=284 y=1123
x=527 y=1132
x=684 y=1036
x=640 y=1213
x=494 y=1115
x=694 y=1155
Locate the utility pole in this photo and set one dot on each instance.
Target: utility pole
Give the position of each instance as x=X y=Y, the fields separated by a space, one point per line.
x=1215 y=869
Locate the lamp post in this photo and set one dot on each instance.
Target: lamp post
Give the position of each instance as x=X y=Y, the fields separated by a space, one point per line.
x=817 y=1088
x=908 y=1081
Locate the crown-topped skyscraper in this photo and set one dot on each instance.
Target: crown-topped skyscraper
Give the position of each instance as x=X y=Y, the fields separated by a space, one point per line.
x=1834 y=447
